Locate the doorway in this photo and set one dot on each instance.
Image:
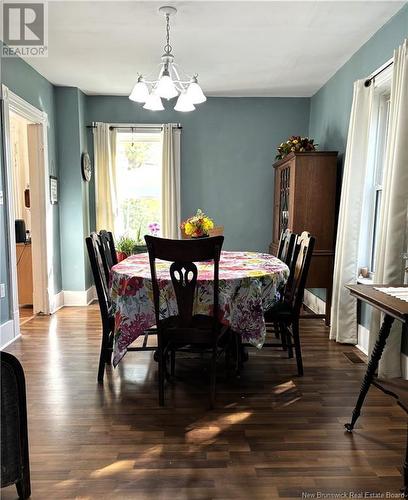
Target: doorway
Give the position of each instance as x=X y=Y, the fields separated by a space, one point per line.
x=29 y=216
x=21 y=151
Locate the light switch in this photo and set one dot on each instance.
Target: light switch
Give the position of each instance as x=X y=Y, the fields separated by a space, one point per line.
x=2 y=290
x=1 y=198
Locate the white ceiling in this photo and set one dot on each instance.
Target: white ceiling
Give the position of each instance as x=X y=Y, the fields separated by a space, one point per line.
x=244 y=48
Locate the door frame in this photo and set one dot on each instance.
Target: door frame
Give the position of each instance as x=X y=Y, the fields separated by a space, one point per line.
x=42 y=243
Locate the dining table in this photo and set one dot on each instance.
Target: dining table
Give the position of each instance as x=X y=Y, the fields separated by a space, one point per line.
x=249 y=284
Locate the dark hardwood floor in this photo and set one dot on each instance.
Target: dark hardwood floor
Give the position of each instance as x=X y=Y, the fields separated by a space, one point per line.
x=272 y=435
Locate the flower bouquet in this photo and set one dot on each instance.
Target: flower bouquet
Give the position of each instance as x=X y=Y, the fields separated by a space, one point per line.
x=197 y=226
x=295 y=144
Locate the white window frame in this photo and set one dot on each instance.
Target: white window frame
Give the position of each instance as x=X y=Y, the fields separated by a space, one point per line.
x=150 y=131
x=376 y=159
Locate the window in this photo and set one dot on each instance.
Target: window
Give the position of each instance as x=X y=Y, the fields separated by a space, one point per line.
x=138 y=172
x=374 y=180
x=383 y=107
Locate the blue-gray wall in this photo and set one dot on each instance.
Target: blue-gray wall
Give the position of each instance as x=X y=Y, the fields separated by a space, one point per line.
x=330 y=106
x=74 y=210
x=227 y=150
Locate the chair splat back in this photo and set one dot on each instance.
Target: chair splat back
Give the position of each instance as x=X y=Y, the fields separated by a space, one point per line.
x=108 y=250
x=183 y=271
x=286 y=246
x=302 y=255
x=184 y=279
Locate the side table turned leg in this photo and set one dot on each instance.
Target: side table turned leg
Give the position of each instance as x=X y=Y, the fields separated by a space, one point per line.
x=404 y=489
x=371 y=369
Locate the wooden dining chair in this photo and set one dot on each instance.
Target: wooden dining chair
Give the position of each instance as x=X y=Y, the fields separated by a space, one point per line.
x=185 y=328
x=109 y=256
x=94 y=247
x=286 y=313
x=95 y=252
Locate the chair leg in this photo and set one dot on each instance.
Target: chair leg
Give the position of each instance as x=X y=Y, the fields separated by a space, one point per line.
x=23 y=486
x=103 y=356
x=298 y=350
x=172 y=362
x=289 y=342
x=283 y=336
x=213 y=377
x=162 y=369
x=276 y=328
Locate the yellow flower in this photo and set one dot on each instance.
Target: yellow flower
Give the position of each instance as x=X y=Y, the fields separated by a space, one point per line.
x=295 y=141
x=207 y=224
x=189 y=229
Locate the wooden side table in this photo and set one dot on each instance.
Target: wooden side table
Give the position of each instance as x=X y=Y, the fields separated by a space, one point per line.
x=393 y=309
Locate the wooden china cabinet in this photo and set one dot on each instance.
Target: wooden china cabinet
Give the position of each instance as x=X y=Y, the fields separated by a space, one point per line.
x=305 y=200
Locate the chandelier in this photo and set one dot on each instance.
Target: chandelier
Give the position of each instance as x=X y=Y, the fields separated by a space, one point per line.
x=169 y=83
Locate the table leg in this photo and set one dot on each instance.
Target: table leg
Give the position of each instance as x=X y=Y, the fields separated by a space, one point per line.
x=371 y=369
x=404 y=489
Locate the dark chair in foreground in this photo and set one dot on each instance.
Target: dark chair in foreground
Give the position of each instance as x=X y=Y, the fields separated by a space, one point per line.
x=95 y=252
x=186 y=329
x=15 y=466
x=286 y=313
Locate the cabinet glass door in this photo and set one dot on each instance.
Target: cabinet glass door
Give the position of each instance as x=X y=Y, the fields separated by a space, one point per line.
x=284 y=199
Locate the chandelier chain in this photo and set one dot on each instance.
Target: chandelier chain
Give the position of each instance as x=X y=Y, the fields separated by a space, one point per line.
x=168 y=48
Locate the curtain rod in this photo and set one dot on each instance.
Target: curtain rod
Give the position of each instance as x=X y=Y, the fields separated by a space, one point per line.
x=367 y=83
x=138 y=126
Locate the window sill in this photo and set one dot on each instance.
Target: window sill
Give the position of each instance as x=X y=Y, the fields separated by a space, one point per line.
x=365 y=281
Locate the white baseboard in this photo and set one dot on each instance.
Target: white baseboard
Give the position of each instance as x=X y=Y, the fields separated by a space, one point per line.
x=363 y=335
x=7 y=334
x=79 y=298
x=314 y=303
x=57 y=302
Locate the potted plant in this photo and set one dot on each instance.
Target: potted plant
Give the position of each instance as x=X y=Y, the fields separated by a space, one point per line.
x=197 y=226
x=295 y=144
x=124 y=247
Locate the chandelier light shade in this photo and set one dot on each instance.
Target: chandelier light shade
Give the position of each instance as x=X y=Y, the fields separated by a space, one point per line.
x=169 y=83
x=184 y=103
x=153 y=102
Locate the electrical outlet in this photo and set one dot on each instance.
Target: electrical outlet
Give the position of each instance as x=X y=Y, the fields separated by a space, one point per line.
x=2 y=290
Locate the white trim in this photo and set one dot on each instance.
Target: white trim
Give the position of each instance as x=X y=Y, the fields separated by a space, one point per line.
x=385 y=75
x=314 y=303
x=79 y=298
x=7 y=333
x=42 y=263
x=363 y=335
x=57 y=302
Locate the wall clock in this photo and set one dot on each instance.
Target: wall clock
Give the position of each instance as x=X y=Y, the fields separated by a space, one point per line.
x=86 y=167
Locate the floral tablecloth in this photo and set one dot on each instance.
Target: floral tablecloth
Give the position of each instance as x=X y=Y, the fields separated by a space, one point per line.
x=249 y=284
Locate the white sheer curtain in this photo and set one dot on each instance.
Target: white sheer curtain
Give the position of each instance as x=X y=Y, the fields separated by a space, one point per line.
x=105 y=176
x=171 y=181
x=392 y=236
x=344 y=307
